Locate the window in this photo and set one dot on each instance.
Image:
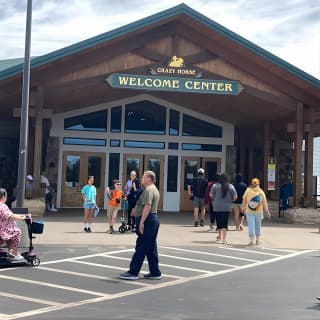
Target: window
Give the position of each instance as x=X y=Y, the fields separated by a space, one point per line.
x=114 y=163
x=96 y=121
x=198 y=128
x=172 y=181
x=85 y=142
x=144 y=144
x=174 y=123
x=145 y=117
x=116 y=119
x=72 y=171
x=173 y=145
x=94 y=169
x=114 y=143
x=202 y=147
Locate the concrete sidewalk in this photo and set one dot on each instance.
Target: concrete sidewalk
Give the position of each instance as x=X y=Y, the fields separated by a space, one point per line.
x=65 y=227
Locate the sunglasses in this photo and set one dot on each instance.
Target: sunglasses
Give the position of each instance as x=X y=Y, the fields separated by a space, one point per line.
x=118 y=184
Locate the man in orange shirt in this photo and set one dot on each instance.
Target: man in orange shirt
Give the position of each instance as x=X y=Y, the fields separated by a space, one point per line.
x=115 y=197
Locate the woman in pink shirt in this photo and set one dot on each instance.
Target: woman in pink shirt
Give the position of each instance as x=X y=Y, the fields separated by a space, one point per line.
x=9 y=231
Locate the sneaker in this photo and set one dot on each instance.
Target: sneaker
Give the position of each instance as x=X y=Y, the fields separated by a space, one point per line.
x=110 y=231
x=54 y=210
x=152 y=277
x=89 y=230
x=250 y=243
x=211 y=230
x=211 y=226
x=241 y=227
x=258 y=243
x=85 y=229
x=201 y=223
x=18 y=257
x=128 y=276
x=196 y=223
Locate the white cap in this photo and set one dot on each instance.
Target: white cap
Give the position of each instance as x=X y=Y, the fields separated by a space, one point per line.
x=201 y=171
x=29 y=177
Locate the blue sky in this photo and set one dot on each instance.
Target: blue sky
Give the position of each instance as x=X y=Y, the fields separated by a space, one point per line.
x=288 y=28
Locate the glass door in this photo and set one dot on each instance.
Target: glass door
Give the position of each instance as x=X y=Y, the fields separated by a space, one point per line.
x=132 y=163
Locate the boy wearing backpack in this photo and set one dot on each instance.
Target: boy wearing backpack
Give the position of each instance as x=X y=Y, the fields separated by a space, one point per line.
x=115 y=195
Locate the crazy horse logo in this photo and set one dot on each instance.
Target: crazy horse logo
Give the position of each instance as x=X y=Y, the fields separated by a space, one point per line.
x=176 y=62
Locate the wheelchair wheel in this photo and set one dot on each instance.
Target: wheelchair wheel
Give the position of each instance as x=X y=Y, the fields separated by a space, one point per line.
x=35 y=262
x=122 y=229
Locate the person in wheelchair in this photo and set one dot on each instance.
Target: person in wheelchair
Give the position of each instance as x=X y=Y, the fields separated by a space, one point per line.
x=9 y=231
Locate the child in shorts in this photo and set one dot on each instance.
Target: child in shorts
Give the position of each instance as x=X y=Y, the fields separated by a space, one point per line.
x=115 y=195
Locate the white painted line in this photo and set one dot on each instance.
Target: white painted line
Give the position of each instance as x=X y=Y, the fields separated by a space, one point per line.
x=252 y=251
x=209 y=254
x=87 y=275
x=29 y=299
x=196 y=260
x=280 y=250
x=52 y=285
x=163 y=265
x=157 y=286
x=120 y=269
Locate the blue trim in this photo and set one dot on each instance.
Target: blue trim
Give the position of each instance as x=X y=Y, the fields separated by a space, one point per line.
x=179 y=9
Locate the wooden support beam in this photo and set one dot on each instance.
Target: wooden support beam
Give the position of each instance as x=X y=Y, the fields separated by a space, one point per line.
x=175 y=45
x=151 y=54
x=266 y=153
x=46 y=113
x=298 y=153
x=38 y=143
x=199 y=57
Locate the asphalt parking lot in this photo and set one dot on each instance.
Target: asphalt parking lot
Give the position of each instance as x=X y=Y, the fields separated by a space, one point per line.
x=218 y=282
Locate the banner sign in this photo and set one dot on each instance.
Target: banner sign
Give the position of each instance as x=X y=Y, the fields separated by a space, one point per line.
x=161 y=83
x=271 y=174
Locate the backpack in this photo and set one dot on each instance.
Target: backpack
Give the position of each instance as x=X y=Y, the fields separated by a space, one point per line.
x=254 y=202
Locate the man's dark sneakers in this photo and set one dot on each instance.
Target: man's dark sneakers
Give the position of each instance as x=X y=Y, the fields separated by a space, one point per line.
x=85 y=229
x=128 y=276
x=89 y=230
x=201 y=223
x=152 y=276
x=196 y=223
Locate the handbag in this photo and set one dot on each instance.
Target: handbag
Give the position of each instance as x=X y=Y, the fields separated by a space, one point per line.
x=96 y=211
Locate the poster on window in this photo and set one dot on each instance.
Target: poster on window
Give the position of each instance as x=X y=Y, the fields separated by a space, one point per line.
x=271 y=174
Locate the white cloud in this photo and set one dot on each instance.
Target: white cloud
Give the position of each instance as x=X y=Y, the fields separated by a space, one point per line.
x=287 y=28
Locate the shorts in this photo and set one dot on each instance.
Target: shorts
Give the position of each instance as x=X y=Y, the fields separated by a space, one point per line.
x=198 y=202
x=112 y=211
x=89 y=205
x=222 y=218
x=238 y=205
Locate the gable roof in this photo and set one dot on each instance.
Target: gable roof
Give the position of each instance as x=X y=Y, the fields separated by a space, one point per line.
x=158 y=17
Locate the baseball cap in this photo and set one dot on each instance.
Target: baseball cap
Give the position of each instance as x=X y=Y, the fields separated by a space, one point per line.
x=255 y=181
x=29 y=177
x=201 y=171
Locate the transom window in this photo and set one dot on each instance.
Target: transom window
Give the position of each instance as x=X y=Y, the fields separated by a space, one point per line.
x=145 y=117
x=95 y=121
x=194 y=127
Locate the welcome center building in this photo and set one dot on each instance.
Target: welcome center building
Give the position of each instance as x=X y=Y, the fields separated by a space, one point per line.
x=170 y=93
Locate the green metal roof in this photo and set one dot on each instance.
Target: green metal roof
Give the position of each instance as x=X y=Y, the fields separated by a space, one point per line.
x=5 y=64
x=179 y=9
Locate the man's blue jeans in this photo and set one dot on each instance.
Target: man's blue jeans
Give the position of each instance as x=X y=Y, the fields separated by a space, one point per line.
x=146 y=246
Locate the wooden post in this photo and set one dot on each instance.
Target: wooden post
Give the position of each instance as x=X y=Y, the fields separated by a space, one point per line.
x=251 y=163
x=38 y=143
x=242 y=151
x=276 y=157
x=297 y=153
x=308 y=168
x=266 y=154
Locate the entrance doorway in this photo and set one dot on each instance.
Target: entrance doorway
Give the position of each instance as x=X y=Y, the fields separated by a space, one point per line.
x=77 y=166
x=141 y=163
x=189 y=168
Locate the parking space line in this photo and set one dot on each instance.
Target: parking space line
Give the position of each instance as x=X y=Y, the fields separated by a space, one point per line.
x=119 y=268
x=34 y=300
x=86 y=275
x=163 y=265
x=56 y=286
x=280 y=250
x=253 y=251
x=196 y=260
x=209 y=254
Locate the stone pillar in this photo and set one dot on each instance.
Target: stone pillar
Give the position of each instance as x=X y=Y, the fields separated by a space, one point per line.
x=298 y=153
x=308 y=168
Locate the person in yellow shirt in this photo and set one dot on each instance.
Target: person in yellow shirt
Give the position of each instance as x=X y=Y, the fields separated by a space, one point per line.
x=254 y=206
x=115 y=197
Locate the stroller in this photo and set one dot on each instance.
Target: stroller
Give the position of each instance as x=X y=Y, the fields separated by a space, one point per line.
x=30 y=257
x=125 y=225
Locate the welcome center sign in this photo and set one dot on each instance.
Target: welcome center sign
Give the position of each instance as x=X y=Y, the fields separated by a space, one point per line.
x=162 y=83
